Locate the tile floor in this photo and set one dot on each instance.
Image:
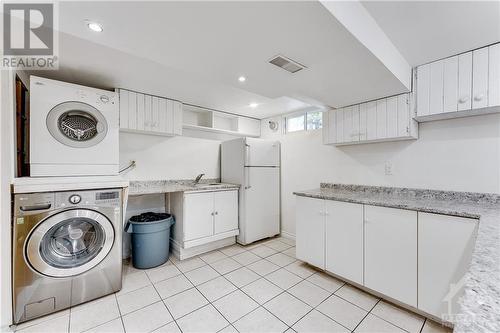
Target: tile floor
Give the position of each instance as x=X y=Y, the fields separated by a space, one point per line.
x=257 y=288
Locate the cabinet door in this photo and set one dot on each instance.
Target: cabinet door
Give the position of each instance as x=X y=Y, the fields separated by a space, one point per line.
x=198 y=215
x=436 y=87
x=445 y=245
x=226 y=211
x=310 y=230
x=148 y=113
x=392 y=117
x=143 y=102
x=124 y=109
x=177 y=118
x=344 y=239
x=371 y=122
x=355 y=136
x=347 y=130
x=339 y=125
x=155 y=120
x=464 y=81
x=381 y=118
x=480 y=78
x=391 y=252
x=494 y=75
x=363 y=125
x=162 y=115
x=423 y=88
x=169 y=116
x=132 y=110
x=403 y=115
x=450 y=84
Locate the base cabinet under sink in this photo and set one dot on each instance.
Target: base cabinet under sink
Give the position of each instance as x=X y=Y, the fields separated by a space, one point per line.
x=417 y=259
x=202 y=218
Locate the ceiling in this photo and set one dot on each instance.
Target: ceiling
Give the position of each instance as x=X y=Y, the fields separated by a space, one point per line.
x=195 y=51
x=424 y=31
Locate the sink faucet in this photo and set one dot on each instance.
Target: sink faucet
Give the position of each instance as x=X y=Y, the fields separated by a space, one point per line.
x=198 y=178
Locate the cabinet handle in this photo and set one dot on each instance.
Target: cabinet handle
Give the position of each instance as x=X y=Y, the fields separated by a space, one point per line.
x=216 y=213
x=463 y=99
x=479 y=97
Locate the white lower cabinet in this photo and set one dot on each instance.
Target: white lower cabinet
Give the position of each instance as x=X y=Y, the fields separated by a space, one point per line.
x=204 y=217
x=310 y=231
x=391 y=252
x=416 y=258
x=344 y=239
x=445 y=245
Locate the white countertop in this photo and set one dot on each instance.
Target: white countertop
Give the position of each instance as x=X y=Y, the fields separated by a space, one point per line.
x=50 y=184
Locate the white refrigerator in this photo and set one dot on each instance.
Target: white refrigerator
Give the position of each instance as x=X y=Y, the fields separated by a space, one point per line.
x=255 y=165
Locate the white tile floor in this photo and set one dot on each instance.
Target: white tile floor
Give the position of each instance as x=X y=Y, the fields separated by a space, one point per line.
x=259 y=288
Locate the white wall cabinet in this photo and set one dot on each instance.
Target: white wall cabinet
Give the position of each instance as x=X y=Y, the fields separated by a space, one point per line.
x=409 y=256
x=149 y=114
x=204 y=217
x=391 y=252
x=310 y=217
x=458 y=86
x=386 y=119
x=445 y=245
x=344 y=239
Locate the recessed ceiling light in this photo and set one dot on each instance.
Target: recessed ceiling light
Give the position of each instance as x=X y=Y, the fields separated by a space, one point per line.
x=94 y=26
x=242 y=79
x=253 y=105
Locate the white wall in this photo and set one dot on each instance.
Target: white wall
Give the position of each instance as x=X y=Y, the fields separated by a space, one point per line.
x=160 y=157
x=459 y=154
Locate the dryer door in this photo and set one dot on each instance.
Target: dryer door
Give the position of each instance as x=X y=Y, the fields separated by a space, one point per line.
x=77 y=124
x=69 y=243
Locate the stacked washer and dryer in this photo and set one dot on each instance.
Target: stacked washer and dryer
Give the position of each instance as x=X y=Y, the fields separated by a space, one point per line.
x=67 y=241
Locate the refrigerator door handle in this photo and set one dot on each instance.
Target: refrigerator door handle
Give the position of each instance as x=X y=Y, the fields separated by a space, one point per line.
x=247 y=174
x=247 y=154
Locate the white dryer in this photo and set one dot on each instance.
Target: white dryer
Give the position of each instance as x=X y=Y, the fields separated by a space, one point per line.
x=74 y=130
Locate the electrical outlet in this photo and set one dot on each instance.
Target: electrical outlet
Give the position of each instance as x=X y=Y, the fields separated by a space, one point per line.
x=388 y=168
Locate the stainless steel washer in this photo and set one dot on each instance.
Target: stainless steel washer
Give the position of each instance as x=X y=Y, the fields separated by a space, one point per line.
x=66 y=249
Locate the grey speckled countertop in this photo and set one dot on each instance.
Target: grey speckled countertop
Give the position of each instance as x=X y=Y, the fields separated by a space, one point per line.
x=480 y=305
x=139 y=187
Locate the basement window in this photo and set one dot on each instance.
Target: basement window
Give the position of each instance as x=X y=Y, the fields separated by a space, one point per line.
x=306 y=121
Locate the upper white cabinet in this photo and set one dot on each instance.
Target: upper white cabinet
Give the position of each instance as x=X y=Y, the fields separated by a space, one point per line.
x=445 y=245
x=386 y=119
x=462 y=85
x=391 y=252
x=149 y=114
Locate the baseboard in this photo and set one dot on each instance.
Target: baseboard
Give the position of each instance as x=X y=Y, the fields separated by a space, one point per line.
x=182 y=254
x=288 y=235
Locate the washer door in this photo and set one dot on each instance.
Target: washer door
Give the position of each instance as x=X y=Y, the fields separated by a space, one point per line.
x=77 y=124
x=69 y=243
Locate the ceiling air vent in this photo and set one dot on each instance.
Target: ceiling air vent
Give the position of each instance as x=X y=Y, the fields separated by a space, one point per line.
x=287 y=64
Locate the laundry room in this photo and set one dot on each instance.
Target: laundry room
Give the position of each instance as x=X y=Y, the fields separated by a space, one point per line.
x=250 y=166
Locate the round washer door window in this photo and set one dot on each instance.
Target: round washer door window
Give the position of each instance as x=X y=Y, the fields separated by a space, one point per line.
x=69 y=243
x=77 y=124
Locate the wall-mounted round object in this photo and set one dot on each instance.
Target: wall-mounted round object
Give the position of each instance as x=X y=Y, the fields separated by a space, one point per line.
x=273 y=125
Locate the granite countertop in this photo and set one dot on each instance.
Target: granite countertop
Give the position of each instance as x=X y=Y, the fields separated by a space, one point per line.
x=480 y=305
x=139 y=187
